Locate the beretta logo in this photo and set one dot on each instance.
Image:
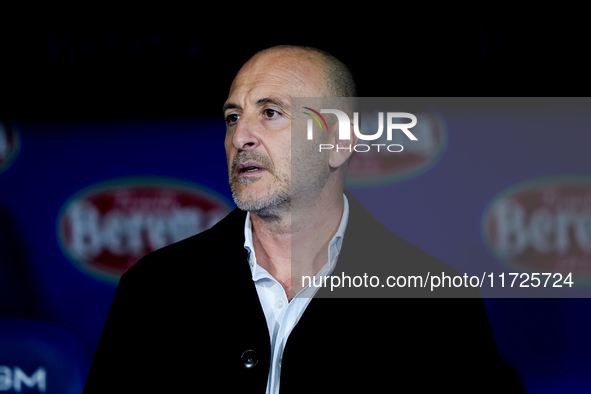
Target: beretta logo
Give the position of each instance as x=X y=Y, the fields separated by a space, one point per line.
x=106 y=228
x=9 y=145
x=543 y=225
x=378 y=167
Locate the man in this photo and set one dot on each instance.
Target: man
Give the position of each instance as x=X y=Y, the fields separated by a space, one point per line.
x=230 y=313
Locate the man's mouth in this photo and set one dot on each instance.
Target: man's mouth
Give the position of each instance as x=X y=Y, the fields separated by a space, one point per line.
x=250 y=167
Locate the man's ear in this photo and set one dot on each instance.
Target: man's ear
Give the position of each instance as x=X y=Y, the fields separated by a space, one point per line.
x=345 y=149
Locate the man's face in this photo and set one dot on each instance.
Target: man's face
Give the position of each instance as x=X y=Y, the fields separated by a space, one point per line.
x=258 y=126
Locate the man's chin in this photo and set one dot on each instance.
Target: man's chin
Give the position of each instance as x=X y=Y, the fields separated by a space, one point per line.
x=269 y=206
x=246 y=180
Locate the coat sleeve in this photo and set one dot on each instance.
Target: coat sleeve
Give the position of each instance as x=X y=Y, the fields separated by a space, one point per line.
x=120 y=357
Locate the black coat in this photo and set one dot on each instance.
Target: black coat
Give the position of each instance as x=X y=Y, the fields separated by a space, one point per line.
x=187 y=318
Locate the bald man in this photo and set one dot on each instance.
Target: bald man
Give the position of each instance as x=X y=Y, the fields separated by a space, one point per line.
x=229 y=313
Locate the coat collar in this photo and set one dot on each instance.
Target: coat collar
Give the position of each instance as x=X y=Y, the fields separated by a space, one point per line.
x=233 y=257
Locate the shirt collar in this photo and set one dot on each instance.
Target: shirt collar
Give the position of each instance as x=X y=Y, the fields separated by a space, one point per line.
x=334 y=247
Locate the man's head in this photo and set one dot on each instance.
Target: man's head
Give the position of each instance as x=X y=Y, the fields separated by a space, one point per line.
x=258 y=127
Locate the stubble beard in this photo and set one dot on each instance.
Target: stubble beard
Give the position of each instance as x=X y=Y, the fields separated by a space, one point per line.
x=276 y=197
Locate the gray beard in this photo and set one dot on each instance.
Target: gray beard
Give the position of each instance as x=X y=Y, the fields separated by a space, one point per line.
x=270 y=205
x=277 y=199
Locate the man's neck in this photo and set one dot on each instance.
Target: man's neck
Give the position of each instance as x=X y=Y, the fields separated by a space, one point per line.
x=295 y=243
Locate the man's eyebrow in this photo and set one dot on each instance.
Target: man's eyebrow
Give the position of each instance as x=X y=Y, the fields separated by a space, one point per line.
x=230 y=106
x=273 y=100
x=262 y=101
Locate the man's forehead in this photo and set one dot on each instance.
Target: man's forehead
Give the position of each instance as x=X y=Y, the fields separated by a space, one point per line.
x=293 y=60
x=285 y=72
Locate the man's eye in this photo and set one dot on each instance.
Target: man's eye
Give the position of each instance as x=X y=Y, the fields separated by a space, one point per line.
x=271 y=113
x=232 y=119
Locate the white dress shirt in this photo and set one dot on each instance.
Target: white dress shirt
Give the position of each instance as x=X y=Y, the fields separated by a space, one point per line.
x=282 y=315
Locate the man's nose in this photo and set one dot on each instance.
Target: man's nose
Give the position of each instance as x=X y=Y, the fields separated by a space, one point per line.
x=246 y=135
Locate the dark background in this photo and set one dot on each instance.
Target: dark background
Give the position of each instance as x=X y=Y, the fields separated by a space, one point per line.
x=103 y=68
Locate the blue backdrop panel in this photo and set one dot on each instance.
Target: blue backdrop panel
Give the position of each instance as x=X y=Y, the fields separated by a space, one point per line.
x=37 y=356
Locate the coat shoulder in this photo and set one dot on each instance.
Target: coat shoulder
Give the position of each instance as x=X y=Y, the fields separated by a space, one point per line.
x=199 y=253
x=370 y=248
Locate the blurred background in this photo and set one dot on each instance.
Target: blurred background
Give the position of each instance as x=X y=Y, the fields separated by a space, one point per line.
x=111 y=146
